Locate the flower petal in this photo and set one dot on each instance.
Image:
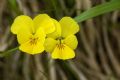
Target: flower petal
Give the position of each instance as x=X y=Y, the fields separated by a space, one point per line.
x=40 y=34
x=39 y=48
x=65 y=53
x=43 y=20
x=32 y=49
x=68 y=26
x=57 y=32
x=50 y=44
x=21 y=22
x=36 y=48
x=71 y=41
x=24 y=35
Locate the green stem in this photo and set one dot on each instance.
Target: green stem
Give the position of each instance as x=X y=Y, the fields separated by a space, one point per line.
x=7 y=53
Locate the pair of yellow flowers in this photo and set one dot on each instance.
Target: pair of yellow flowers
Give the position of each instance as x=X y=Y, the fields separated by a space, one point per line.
x=45 y=33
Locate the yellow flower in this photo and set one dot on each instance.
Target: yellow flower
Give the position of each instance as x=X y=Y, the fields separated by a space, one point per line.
x=62 y=42
x=31 y=33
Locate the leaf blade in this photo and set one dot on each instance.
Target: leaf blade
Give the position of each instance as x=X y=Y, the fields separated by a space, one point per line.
x=98 y=10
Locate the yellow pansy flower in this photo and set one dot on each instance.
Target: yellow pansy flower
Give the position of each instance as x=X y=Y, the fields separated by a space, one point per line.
x=62 y=42
x=31 y=33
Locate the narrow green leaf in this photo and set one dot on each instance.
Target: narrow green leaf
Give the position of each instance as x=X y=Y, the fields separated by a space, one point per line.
x=98 y=10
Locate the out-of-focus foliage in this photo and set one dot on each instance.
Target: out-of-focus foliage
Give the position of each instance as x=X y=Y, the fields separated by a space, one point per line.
x=97 y=55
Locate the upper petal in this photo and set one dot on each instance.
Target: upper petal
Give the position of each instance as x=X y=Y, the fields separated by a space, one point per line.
x=57 y=32
x=71 y=41
x=65 y=53
x=68 y=26
x=43 y=20
x=50 y=44
x=22 y=21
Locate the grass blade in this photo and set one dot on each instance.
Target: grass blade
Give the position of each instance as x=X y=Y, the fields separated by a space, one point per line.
x=98 y=10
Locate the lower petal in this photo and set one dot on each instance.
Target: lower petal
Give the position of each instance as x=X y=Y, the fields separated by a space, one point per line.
x=39 y=48
x=26 y=47
x=65 y=53
x=32 y=49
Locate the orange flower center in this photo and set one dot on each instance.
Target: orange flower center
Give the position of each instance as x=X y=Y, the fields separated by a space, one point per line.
x=60 y=46
x=33 y=41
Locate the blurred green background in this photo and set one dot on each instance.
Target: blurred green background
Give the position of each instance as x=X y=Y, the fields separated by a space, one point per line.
x=97 y=55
